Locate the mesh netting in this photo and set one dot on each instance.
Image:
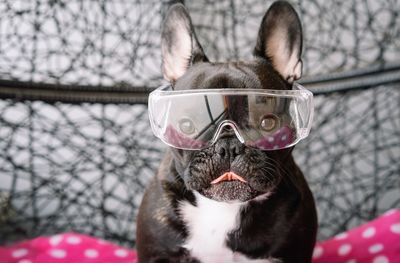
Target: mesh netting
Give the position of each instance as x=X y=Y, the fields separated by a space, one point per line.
x=83 y=167
x=112 y=42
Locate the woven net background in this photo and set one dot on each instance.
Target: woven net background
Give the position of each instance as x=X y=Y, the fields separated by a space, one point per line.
x=76 y=149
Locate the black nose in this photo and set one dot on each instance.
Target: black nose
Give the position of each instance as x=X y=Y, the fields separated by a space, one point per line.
x=229 y=148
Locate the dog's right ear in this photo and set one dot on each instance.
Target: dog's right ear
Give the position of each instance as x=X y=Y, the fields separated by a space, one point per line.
x=179 y=45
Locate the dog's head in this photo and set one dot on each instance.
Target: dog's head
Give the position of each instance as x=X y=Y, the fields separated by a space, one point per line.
x=276 y=65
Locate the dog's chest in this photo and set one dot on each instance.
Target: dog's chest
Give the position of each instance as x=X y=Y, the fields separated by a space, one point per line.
x=209 y=223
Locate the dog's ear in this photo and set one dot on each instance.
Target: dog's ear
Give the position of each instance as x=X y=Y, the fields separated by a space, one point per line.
x=280 y=40
x=179 y=46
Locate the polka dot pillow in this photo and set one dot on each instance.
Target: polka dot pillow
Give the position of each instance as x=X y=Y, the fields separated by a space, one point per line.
x=63 y=248
x=375 y=242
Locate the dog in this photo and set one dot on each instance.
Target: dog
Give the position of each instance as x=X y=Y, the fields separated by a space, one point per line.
x=184 y=216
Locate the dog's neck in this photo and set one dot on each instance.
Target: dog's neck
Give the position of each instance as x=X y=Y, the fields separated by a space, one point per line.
x=208 y=223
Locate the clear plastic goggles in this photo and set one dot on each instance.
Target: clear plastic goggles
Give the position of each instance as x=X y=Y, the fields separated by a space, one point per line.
x=262 y=119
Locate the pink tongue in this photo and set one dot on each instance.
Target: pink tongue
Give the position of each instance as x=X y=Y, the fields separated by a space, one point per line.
x=228 y=176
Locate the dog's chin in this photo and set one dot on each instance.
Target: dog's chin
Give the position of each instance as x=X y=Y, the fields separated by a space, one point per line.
x=230 y=191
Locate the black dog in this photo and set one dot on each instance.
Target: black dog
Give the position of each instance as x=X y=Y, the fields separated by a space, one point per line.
x=183 y=218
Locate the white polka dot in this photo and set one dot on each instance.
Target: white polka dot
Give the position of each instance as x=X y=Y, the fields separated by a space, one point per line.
x=375 y=248
x=318 y=251
x=58 y=253
x=19 y=253
x=276 y=147
x=284 y=137
x=25 y=261
x=341 y=236
x=121 y=253
x=369 y=232
x=73 y=240
x=381 y=259
x=395 y=228
x=390 y=212
x=271 y=139
x=344 y=249
x=351 y=261
x=91 y=253
x=55 y=240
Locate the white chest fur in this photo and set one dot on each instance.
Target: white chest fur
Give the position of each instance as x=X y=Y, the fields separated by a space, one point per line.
x=208 y=225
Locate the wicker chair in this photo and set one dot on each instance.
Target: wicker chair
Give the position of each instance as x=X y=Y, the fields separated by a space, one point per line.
x=76 y=150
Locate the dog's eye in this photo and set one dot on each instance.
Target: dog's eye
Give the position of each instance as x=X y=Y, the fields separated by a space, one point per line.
x=269 y=122
x=186 y=126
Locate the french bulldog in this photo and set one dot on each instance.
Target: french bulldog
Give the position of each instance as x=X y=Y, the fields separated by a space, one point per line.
x=271 y=218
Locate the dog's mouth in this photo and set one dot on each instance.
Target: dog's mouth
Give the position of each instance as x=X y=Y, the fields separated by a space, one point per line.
x=230 y=187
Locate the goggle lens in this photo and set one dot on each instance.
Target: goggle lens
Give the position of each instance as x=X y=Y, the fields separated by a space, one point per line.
x=267 y=120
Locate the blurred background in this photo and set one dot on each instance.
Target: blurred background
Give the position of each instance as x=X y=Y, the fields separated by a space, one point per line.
x=76 y=149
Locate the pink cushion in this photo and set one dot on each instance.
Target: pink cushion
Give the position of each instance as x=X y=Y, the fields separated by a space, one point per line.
x=375 y=242
x=63 y=248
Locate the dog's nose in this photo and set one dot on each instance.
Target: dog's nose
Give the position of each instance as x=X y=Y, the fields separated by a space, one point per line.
x=229 y=148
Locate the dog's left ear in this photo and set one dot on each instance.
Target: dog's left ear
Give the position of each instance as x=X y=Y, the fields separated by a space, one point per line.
x=280 y=40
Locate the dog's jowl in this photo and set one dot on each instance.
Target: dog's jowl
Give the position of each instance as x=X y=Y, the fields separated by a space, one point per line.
x=228 y=189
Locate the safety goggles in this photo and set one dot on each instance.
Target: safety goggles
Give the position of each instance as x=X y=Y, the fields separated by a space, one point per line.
x=262 y=119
